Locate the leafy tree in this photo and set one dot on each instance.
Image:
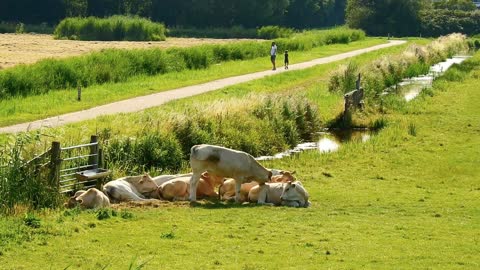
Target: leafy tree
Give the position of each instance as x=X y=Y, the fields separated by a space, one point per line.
x=75 y=8
x=465 y=5
x=382 y=17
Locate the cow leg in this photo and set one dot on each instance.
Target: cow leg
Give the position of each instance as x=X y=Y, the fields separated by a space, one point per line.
x=193 y=186
x=238 y=186
x=262 y=196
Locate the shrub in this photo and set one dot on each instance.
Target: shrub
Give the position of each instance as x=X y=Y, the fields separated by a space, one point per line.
x=268 y=126
x=21 y=184
x=111 y=28
x=272 y=32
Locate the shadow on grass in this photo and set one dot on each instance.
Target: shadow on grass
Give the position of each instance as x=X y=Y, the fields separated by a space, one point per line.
x=217 y=204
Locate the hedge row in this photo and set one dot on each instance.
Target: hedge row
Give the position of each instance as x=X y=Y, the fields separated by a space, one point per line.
x=111 y=28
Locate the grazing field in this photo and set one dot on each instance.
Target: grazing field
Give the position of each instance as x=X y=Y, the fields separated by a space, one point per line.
x=29 y=48
x=407 y=198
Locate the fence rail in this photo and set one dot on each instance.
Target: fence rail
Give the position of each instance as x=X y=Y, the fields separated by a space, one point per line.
x=62 y=166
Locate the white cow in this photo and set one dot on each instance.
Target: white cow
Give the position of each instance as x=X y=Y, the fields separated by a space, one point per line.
x=131 y=188
x=227 y=163
x=289 y=194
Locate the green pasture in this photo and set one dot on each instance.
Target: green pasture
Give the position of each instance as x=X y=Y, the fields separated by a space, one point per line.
x=406 y=199
x=23 y=109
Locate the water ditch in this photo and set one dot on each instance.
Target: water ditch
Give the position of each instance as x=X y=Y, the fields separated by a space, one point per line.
x=412 y=87
x=328 y=141
x=331 y=140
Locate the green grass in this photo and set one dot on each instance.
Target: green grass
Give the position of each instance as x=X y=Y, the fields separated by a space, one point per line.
x=395 y=202
x=24 y=109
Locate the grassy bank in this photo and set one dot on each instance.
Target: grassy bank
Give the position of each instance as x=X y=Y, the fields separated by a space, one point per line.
x=23 y=109
x=397 y=201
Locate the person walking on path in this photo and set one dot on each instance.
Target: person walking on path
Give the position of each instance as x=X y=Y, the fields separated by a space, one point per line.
x=286 y=59
x=273 y=55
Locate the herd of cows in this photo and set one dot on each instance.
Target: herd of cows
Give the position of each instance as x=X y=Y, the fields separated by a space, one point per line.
x=237 y=175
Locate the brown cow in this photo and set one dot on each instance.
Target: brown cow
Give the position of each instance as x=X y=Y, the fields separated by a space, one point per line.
x=177 y=189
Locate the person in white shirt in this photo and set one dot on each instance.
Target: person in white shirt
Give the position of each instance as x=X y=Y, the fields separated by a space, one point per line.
x=273 y=55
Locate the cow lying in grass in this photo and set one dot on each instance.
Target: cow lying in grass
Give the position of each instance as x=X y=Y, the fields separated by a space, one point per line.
x=131 y=188
x=178 y=189
x=227 y=189
x=92 y=198
x=224 y=162
x=289 y=194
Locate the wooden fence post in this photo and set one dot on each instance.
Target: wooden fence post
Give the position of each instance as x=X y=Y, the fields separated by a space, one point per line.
x=55 y=162
x=94 y=152
x=79 y=93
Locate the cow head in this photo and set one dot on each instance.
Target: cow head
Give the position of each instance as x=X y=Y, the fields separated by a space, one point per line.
x=284 y=177
x=72 y=202
x=146 y=185
x=294 y=194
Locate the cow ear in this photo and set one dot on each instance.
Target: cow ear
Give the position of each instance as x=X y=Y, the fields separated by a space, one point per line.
x=294 y=172
x=281 y=172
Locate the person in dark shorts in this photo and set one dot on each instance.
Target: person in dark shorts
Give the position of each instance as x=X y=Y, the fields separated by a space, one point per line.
x=273 y=55
x=286 y=59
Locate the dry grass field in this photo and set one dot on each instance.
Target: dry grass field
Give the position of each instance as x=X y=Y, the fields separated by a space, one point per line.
x=28 y=48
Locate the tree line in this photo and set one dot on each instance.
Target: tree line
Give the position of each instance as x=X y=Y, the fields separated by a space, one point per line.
x=413 y=17
x=187 y=13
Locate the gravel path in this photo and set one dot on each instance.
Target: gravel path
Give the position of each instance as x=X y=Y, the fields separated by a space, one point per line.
x=144 y=102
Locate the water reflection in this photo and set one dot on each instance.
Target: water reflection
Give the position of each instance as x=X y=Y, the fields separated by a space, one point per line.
x=414 y=86
x=329 y=141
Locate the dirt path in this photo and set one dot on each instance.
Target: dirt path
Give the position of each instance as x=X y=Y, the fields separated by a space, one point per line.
x=144 y=102
x=29 y=48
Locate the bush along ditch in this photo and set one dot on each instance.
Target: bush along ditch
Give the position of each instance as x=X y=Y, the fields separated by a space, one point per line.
x=22 y=184
x=259 y=126
x=386 y=72
x=114 y=65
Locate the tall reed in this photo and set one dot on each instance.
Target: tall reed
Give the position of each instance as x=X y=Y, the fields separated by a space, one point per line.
x=112 y=28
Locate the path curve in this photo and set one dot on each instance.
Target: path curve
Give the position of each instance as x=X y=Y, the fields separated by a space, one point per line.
x=153 y=100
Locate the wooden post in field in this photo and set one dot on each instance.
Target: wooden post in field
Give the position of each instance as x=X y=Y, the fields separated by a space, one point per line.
x=93 y=159
x=55 y=162
x=79 y=93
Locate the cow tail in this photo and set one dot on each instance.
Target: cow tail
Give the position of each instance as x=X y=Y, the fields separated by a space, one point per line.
x=193 y=150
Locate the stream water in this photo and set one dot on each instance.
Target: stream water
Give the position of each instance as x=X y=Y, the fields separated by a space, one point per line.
x=328 y=141
x=413 y=87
